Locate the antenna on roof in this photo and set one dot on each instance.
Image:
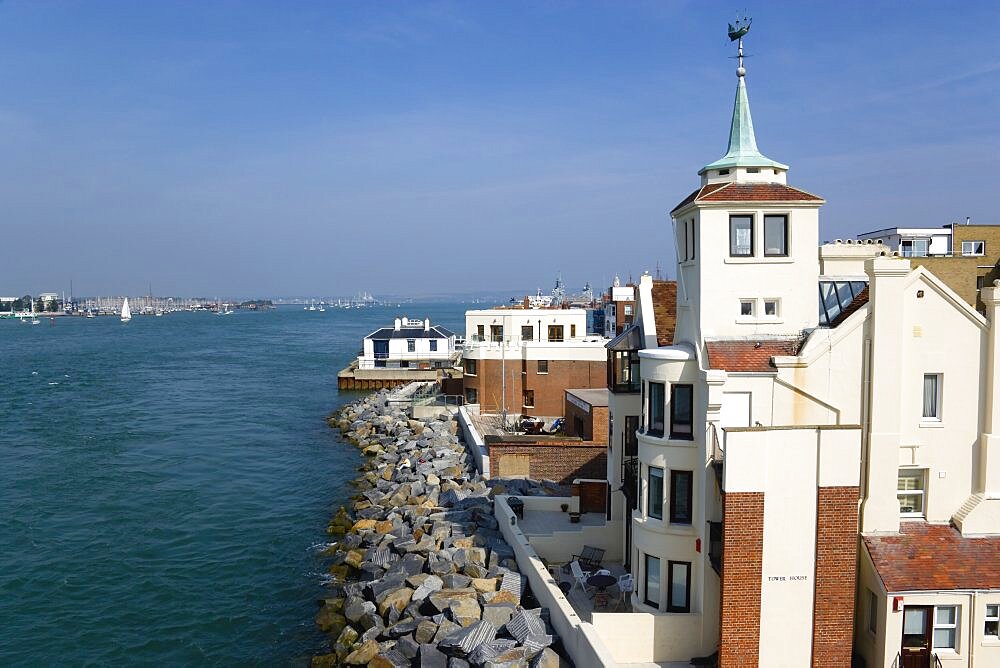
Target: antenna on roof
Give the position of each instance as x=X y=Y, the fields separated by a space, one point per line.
x=659 y=274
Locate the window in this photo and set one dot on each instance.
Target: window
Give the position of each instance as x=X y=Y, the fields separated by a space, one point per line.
x=555 y=333
x=932 y=396
x=527 y=333
x=470 y=368
x=654 y=492
x=680 y=496
x=991 y=628
x=471 y=395
x=528 y=398
x=753 y=170
x=973 y=248
x=628 y=310
x=496 y=333
x=980 y=282
x=404 y=364
x=945 y=626
x=910 y=491
x=872 y=612
x=655 y=409
x=651 y=593
x=690 y=240
x=771 y=307
x=741 y=236
x=572 y=331
x=746 y=307
x=480 y=335
x=681 y=411
x=631 y=440
x=776 y=236
x=914 y=247
x=543 y=366
x=723 y=172
x=679 y=590
x=411 y=345
x=623 y=371
x=434 y=345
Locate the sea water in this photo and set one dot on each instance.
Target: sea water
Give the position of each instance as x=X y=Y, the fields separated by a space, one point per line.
x=163 y=483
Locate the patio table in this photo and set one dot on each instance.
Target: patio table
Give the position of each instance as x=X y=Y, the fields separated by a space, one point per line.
x=602 y=582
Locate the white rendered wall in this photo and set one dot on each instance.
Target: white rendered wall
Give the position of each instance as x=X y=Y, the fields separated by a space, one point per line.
x=714 y=283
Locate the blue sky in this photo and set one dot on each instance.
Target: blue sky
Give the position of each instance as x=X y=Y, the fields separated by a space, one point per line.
x=252 y=148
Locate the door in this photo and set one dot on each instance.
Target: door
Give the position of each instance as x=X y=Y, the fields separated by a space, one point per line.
x=916 y=646
x=381 y=348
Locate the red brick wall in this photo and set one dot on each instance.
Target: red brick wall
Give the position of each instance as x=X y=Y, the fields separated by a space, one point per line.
x=595 y=423
x=550 y=388
x=836 y=570
x=561 y=462
x=743 y=544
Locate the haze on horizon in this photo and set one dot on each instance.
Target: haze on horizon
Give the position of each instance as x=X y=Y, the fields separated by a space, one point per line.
x=325 y=148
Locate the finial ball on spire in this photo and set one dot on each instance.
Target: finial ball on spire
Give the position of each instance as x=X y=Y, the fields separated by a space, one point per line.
x=741 y=71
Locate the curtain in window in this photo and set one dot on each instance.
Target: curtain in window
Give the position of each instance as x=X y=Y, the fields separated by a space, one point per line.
x=930 y=396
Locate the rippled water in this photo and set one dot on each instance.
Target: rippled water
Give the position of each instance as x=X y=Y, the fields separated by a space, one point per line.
x=163 y=481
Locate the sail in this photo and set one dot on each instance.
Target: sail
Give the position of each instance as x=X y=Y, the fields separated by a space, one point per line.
x=126 y=312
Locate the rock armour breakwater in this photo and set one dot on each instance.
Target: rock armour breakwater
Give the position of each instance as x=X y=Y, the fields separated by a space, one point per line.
x=420 y=571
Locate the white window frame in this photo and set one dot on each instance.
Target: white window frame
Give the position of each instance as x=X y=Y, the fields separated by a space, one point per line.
x=753 y=308
x=954 y=626
x=972 y=248
x=777 y=307
x=921 y=492
x=938 y=399
x=995 y=617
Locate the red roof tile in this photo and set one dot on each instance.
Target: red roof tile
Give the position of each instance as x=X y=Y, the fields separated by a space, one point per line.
x=665 y=311
x=748 y=192
x=753 y=356
x=935 y=557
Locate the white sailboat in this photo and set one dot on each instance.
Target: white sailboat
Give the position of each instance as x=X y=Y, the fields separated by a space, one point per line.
x=34 y=318
x=126 y=311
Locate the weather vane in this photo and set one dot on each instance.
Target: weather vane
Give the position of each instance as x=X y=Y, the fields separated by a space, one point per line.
x=736 y=32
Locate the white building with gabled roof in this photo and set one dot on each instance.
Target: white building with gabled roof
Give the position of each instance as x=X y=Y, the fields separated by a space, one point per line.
x=407 y=344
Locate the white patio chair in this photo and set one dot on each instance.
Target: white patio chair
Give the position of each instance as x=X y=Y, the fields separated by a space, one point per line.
x=626 y=585
x=579 y=575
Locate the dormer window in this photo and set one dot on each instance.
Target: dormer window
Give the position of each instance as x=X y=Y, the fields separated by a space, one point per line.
x=741 y=236
x=776 y=236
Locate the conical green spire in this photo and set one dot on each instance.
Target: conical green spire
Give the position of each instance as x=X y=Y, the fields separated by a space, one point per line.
x=743 y=150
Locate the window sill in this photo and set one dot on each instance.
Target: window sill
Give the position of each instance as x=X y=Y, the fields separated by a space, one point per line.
x=753 y=259
x=931 y=424
x=766 y=320
x=541 y=373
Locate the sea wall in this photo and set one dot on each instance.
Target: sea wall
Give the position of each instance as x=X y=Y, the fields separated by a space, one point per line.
x=420 y=573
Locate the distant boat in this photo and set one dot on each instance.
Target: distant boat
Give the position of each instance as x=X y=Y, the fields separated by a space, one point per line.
x=34 y=318
x=126 y=311
x=90 y=314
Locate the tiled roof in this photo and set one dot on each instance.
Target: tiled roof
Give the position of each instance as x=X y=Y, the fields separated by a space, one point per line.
x=748 y=192
x=752 y=356
x=935 y=557
x=855 y=304
x=665 y=311
x=435 y=332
